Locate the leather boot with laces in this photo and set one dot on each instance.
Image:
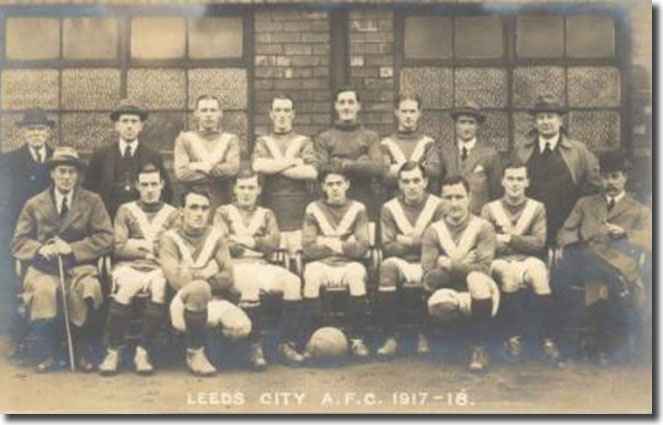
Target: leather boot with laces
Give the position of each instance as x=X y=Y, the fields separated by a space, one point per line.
x=423 y=347
x=388 y=349
x=359 y=349
x=142 y=362
x=290 y=355
x=198 y=363
x=257 y=358
x=514 y=348
x=108 y=366
x=479 y=359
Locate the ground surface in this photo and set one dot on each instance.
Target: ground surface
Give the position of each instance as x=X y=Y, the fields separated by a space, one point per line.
x=405 y=385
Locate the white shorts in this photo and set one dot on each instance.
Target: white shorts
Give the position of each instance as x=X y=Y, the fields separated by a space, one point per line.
x=318 y=274
x=129 y=282
x=412 y=272
x=253 y=278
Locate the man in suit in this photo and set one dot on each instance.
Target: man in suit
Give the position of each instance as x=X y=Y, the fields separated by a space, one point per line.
x=560 y=169
x=602 y=241
x=113 y=168
x=478 y=163
x=70 y=224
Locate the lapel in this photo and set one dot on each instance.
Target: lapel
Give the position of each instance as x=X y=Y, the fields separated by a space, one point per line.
x=47 y=207
x=76 y=210
x=625 y=204
x=113 y=153
x=473 y=158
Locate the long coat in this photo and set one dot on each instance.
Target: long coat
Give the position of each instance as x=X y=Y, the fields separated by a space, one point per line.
x=101 y=171
x=585 y=225
x=87 y=228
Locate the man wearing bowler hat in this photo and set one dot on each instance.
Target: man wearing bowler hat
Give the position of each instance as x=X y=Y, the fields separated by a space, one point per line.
x=560 y=169
x=66 y=224
x=113 y=168
x=477 y=162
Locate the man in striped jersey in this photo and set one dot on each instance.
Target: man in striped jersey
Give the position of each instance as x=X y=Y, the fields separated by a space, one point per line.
x=520 y=224
x=196 y=262
x=404 y=220
x=409 y=144
x=253 y=234
x=138 y=226
x=335 y=238
x=456 y=254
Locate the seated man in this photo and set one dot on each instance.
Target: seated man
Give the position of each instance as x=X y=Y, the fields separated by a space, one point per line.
x=63 y=226
x=253 y=233
x=196 y=262
x=602 y=240
x=520 y=223
x=335 y=238
x=404 y=220
x=456 y=254
x=138 y=226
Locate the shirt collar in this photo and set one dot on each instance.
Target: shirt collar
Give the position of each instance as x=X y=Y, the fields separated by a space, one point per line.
x=37 y=153
x=469 y=145
x=553 y=143
x=134 y=146
x=616 y=198
x=58 y=199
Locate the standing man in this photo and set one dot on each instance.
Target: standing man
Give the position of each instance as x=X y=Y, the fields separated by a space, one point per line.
x=208 y=157
x=288 y=159
x=194 y=258
x=456 y=254
x=138 y=226
x=520 y=223
x=478 y=163
x=409 y=144
x=602 y=240
x=70 y=224
x=404 y=220
x=335 y=239
x=352 y=148
x=113 y=168
x=253 y=234
x=560 y=169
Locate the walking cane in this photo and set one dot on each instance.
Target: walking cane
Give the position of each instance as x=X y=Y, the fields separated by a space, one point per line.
x=70 y=343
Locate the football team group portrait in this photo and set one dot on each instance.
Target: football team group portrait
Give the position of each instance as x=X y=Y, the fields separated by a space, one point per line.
x=214 y=251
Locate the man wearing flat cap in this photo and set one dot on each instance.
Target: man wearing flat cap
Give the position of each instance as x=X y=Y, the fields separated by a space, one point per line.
x=602 y=241
x=114 y=168
x=67 y=223
x=478 y=163
x=560 y=169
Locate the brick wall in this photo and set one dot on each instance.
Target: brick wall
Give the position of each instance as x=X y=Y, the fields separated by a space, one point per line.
x=371 y=38
x=292 y=56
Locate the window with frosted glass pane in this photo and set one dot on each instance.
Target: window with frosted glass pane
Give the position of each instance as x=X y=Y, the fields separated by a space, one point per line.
x=32 y=38
x=89 y=38
x=540 y=36
x=157 y=38
x=590 y=36
x=478 y=37
x=428 y=37
x=218 y=37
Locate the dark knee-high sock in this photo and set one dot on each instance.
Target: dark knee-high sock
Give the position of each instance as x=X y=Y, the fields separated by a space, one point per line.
x=253 y=312
x=118 y=317
x=482 y=320
x=544 y=316
x=358 y=311
x=196 y=328
x=512 y=314
x=312 y=311
x=388 y=313
x=291 y=320
x=153 y=318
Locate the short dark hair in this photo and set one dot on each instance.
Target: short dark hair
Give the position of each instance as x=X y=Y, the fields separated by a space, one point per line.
x=453 y=181
x=195 y=190
x=283 y=96
x=412 y=165
x=247 y=173
x=331 y=169
x=514 y=163
x=347 y=89
x=149 y=167
x=208 y=97
x=407 y=96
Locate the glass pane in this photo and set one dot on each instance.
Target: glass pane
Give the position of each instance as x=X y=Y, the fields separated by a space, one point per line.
x=495 y=131
x=87 y=130
x=157 y=88
x=229 y=85
x=599 y=130
x=33 y=38
x=90 y=88
x=10 y=134
x=25 y=88
x=215 y=37
x=523 y=125
x=161 y=130
x=594 y=86
x=528 y=83
x=590 y=36
x=89 y=38
x=433 y=85
x=484 y=86
x=478 y=37
x=428 y=37
x=438 y=125
x=157 y=38
x=540 y=36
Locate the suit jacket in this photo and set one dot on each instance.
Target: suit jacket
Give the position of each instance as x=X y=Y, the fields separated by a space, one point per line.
x=482 y=168
x=87 y=227
x=585 y=225
x=101 y=171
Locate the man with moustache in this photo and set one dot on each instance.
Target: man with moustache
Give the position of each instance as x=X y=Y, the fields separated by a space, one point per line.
x=113 y=168
x=68 y=224
x=409 y=144
x=352 y=148
x=208 y=157
x=138 y=226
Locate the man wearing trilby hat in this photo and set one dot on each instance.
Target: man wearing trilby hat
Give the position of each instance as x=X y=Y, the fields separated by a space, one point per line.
x=70 y=224
x=560 y=169
x=113 y=168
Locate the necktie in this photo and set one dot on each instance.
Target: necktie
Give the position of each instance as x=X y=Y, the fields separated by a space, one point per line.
x=40 y=155
x=127 y=150
x=547 y=150
x=611 y=204
x=64 y=210
x=463 y=154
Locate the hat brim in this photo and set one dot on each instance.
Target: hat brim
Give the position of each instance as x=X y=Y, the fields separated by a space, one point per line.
x=478 y=115
x=561 y=111
x=52 y=163
x=49 y=123
x=115 y=115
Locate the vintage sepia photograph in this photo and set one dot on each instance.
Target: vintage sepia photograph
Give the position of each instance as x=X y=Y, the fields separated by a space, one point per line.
x=326 y=207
